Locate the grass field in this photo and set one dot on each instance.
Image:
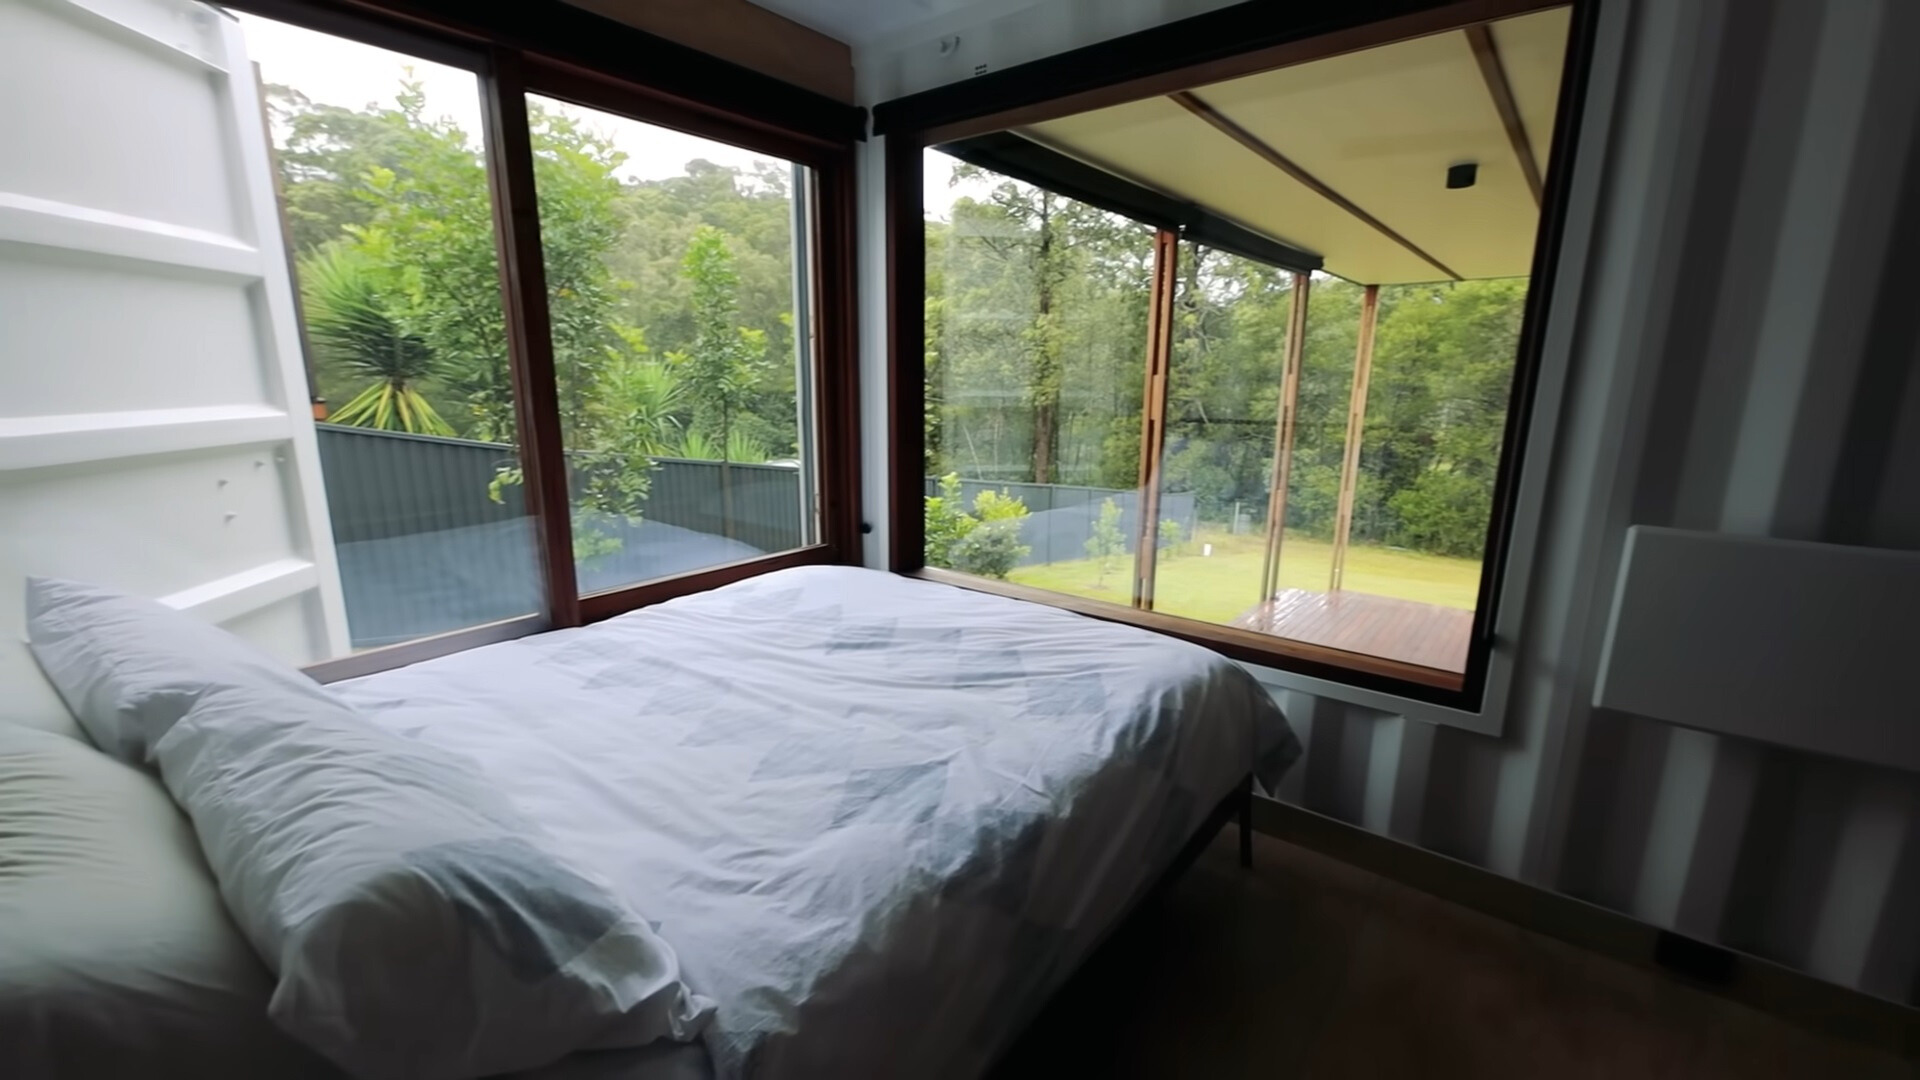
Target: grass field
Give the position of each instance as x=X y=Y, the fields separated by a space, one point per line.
x=1224 y=586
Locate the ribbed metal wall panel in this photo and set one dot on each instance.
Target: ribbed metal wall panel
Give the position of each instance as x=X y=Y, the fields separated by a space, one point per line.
x=1779 y=399
x=384 y=484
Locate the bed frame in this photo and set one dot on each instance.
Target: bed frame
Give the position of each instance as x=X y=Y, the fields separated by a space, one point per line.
x=1237 y=806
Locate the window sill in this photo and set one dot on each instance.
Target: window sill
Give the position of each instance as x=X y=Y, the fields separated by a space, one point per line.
x=605 y=605
x=1376 y=678
x=593 y=608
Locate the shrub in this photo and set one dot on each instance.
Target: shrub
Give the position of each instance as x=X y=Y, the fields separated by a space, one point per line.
x=991 y=549
x=1107 y=541
x=947 y=522
x=1170 y=536
x=985 y=542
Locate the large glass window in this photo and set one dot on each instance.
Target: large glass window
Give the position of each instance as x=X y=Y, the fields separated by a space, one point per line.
x=672 y=288
x=1308 y=447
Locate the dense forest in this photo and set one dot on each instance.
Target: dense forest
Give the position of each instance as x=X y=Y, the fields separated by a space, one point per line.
x=671 y=300
x=1036 y=337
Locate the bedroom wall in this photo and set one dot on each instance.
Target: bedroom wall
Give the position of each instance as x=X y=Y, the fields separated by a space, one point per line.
x=1738 y=343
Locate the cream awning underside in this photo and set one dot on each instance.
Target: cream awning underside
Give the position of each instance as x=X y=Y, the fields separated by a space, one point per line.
x=1379 y=127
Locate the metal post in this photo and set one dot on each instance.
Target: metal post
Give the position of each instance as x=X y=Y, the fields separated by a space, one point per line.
x=1283 y=444
x=1153 y=415
x=1356 y=427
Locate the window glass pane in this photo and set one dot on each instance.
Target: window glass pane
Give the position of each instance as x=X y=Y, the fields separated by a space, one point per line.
x=388 y=220
x=1422 y=489
x=242 y=365
x=680 y=344
x=1435 y=407
x=1036 y=332
x=1223 y=382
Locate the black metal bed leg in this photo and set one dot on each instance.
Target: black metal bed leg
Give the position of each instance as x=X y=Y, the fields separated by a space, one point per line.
x=1246 y=827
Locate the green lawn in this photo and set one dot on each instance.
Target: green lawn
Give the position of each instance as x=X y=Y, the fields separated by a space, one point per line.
x=1219 y=588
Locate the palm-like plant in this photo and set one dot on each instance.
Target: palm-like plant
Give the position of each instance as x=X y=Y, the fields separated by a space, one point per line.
x=351 y=328
x=640 y=405
x=740 y=448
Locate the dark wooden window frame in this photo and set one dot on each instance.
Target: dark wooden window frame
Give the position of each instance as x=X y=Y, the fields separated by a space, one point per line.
x=1223 y=44
x=549 y=48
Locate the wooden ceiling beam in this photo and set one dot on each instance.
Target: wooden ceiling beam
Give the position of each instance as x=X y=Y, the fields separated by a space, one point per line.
x=1487 y=54
x=1191 y=102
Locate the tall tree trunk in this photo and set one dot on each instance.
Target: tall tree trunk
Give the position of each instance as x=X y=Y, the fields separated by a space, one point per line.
x=1044 y=387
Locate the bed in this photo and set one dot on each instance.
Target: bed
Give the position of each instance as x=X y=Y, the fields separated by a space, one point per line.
x=879 y=819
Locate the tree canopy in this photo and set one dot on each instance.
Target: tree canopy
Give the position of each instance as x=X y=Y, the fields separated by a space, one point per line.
x=1036 y=344
x=670 y=300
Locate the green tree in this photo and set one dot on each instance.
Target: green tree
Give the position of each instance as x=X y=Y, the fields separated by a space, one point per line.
x=1106 y=543
x=719 y=366
x=1035 y=336
x=408 y=193
x=947 y=522
x=992 y=547
x=984 y=542
x=1171 y=535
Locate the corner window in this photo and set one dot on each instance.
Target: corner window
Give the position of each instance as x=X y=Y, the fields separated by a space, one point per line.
x=1238 y=361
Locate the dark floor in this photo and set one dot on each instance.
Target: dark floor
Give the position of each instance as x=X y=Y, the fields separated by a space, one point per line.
x=1307 y=967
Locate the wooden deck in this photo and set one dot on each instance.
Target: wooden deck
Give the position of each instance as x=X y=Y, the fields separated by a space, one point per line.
x=1404 y=630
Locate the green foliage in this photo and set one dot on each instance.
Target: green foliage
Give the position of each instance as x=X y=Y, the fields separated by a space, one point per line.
x=354 y=333
x=720 y=366
x=1444 y=512
x=654 y=286
x=947 y=522
x=998 y=506
x=1036 y=333
x=1036 y=326
x=991 y=549
x=984 y=542
x=1171 y=536
x=1107 y=542
x=740 y=446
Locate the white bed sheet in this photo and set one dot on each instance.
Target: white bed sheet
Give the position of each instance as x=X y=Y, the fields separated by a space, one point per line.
x=879 y=819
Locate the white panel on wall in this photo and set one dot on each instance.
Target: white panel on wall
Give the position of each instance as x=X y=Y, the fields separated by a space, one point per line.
x=83 y=334
x=154 y=525
x=155 y=434
x=139 y=129
x=1800 y=644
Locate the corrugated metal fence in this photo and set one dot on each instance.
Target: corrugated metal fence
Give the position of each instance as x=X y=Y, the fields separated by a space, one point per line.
x=384 y=484
x=1060 y=517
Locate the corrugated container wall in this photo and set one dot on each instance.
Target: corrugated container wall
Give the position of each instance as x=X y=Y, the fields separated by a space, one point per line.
x=1739 y=338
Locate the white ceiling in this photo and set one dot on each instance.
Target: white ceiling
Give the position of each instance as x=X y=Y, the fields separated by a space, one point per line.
x=859 y=21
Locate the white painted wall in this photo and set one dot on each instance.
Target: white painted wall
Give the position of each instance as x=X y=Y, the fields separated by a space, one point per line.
x=154 y=428
x=1733 y=348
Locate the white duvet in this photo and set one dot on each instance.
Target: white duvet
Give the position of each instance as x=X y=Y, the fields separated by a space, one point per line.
x=879 y=819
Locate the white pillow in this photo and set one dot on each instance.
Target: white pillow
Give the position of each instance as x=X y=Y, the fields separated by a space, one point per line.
x=416 y=923
x=128 y=668
x=116 y=958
